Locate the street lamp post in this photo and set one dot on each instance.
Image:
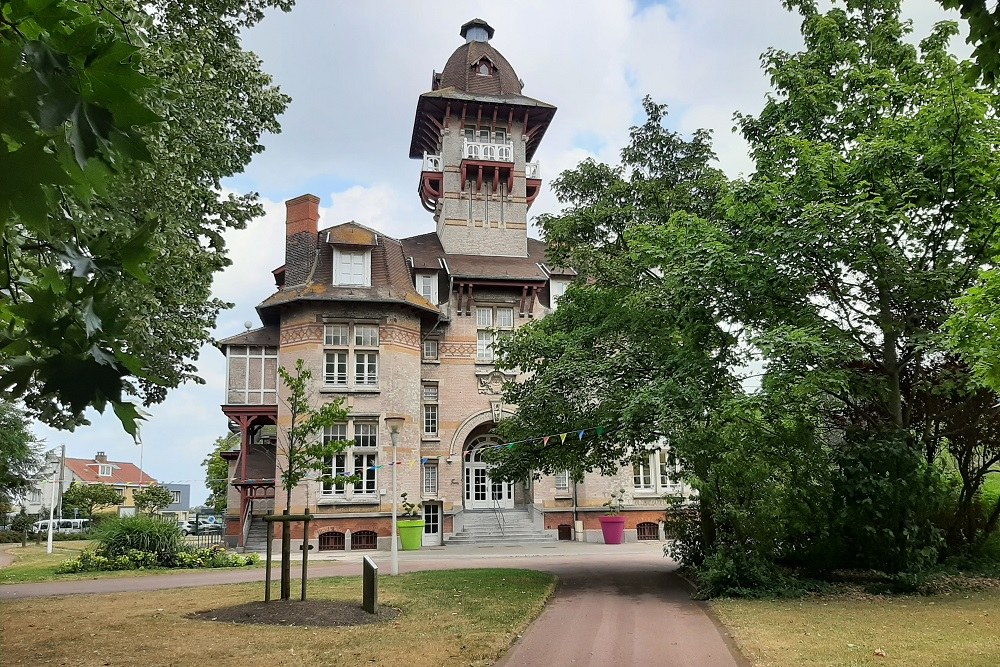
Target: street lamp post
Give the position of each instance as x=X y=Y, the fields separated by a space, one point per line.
x=56 y=475
x=394 y=424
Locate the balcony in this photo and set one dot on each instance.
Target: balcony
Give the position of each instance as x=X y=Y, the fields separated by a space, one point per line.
x=532 y=170
x=488 y=152
x=430 y=189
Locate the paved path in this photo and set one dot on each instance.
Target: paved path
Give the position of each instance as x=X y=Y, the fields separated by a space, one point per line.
x=614 y=605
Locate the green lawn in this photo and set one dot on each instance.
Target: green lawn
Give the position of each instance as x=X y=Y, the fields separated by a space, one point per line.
x=958 y=630
x=448 y=619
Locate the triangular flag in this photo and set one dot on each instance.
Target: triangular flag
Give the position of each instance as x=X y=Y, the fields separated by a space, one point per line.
x=510 y=446
x=423 y=459
x=580 y=434
x=563 y=437
x=600 y=430
x=545 y=440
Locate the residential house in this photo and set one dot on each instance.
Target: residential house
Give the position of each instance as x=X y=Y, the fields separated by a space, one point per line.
x=406 y=326
x=125 y=477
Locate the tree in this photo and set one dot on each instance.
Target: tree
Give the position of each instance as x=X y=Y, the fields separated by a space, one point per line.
x=984 y=33
x=119 y=122
x=87 y=498
x=217 y=473
x=637 y=345
x=151 y=499
x=873 y=204
x=302 y=446
x=20 y=454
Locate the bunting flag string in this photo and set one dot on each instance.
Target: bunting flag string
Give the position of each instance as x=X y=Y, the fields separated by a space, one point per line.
x=544 y=440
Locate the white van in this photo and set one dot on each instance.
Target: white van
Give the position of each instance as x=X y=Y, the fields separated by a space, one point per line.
x=68 y=526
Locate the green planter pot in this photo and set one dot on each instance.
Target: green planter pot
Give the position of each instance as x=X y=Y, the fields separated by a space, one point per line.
x=411 y=533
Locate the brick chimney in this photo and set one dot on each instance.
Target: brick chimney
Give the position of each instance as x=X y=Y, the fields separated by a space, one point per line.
x=301 y=229
x=101 y=457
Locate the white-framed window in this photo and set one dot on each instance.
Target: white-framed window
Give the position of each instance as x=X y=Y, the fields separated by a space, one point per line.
x=359 y=460
x=350 y=355
x=430 y=479
x=657 y=472
x=175 y=497
x=492 y=322
x=121 y=492
x=556 y=289
x=104 y=470
x=252 y=375
x=430 y=349
x=352 y=267
x=562 y=480
x=427 y=285
x=429 y=397
x=36 y=495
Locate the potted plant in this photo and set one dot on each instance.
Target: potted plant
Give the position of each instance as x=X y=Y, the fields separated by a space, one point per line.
x=612 y=523
x=411 y=525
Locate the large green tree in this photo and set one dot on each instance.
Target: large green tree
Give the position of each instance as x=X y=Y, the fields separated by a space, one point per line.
x=873 y=204
x=119 y=121
x=217 y=472
x=20 y=454
x=638 y=345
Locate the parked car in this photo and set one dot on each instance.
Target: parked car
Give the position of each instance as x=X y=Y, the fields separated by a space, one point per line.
x=201 y=527
x=61 y=525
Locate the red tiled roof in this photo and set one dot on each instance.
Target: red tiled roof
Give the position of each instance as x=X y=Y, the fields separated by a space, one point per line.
x=121 y=472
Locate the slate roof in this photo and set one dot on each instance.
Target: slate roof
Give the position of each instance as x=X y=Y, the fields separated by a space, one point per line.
x=425 y=252
x=121 y=472
x=460 y=71
x=390 y=275
x=266 y=336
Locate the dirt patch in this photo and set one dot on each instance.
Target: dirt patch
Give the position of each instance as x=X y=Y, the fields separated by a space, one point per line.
x=311 y=613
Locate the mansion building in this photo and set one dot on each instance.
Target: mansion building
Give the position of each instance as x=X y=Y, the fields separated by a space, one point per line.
x=405 y=327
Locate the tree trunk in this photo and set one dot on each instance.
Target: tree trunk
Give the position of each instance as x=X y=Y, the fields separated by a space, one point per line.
x=286 y=556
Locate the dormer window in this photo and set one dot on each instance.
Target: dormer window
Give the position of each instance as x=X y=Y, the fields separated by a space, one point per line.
x=428 y=287
x=104 y=470
x=484 y=69
x=352 y=267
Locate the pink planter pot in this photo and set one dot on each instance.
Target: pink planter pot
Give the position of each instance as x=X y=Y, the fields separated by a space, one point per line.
x=613 y=528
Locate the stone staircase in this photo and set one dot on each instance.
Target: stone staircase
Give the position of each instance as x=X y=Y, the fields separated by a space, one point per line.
x=481 y=527
x=257 y=537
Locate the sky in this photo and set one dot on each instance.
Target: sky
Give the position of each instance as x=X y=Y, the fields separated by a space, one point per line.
x=354 y=71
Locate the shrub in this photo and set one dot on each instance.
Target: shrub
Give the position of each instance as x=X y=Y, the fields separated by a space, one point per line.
x=121 y=535
x=135 y=559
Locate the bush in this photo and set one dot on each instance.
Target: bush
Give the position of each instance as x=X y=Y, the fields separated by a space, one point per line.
x=122 y=535
x=135 y=559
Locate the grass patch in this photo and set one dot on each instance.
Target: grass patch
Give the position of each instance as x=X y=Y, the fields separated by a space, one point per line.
x=461 y=617
x=34 y=565
x=957 y=630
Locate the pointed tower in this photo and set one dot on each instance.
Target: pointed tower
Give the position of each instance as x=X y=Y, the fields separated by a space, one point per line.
x=476 y=135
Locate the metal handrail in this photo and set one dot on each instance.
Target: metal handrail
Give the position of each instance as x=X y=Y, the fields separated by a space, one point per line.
x=499 y=515
x=247 y=518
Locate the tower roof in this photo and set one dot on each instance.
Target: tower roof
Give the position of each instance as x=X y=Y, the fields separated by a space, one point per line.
x=476 y=77
x=464 y=70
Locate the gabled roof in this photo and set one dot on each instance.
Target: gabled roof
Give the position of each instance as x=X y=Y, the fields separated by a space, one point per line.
x=352 y=234
x=86 y=470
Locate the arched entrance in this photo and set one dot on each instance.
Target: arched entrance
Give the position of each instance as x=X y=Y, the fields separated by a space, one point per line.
x=481 y=491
